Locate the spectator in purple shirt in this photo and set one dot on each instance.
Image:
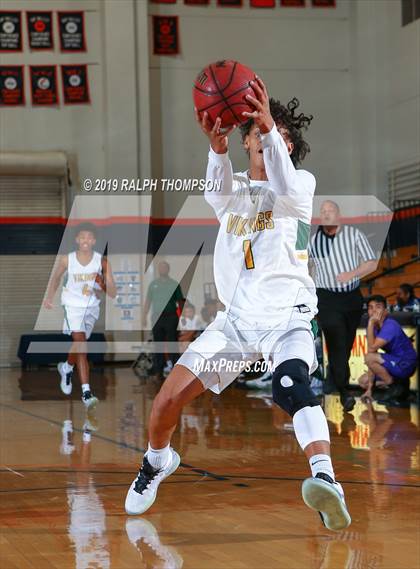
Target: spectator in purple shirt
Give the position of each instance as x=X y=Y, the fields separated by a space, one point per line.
x=399 y=359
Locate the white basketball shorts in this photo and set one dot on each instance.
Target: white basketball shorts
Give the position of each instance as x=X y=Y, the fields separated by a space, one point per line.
x=215 y=357
x=78 y=319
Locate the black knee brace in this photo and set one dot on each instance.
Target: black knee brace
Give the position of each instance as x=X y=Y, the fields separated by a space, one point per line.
x=291 y=389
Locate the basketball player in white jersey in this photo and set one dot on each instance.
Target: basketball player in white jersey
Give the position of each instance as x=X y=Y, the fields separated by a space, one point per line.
x=87 y=273
x=261 y=275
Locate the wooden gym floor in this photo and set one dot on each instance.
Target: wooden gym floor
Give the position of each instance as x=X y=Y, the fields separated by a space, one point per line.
x=235 y=501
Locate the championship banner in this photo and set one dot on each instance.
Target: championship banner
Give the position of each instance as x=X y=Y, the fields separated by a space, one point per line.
x=197 y=2
x=44 y=89
x=71 y=26
x=165 y=35
x=262 y=3
x=75 y=84
x=10 y=31
x=230 y=3
x=323 y=3
x=40 y=30
x=292 y=3
x=12 y=89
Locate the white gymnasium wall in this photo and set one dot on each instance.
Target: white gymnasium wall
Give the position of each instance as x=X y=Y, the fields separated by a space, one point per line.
x=354 y=68
x=101 y=137
x=386 y=92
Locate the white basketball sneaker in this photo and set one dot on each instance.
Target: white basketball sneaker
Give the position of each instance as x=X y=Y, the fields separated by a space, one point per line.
x=143 y=490
x=67 y=446
x=66 y=376
x=326 y=497
x=89 y=400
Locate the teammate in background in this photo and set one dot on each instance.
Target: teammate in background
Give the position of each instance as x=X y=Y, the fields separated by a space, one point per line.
x=399 y=360
x=261 y=276
x=87 y=274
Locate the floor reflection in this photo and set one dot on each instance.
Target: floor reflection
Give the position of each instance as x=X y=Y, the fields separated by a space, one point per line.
x=87 y=527
x=153 y=553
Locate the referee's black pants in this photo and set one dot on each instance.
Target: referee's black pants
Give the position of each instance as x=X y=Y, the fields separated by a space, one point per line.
x=339 y=316
x=165 y=330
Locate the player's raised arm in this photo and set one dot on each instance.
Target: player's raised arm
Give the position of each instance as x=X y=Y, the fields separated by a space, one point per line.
x=277 y=148
x=219 y=167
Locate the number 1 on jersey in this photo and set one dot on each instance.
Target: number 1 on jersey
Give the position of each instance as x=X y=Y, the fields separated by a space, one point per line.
x=249 y=258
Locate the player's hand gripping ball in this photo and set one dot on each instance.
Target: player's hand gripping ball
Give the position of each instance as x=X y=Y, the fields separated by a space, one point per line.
x=221 y=89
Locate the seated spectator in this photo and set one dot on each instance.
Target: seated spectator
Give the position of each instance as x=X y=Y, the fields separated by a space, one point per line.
x=399 y=360
x=209 y=311
x=406 y=299
x=189 y=326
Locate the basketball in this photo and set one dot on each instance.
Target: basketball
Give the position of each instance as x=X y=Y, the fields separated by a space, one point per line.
x=221 y=88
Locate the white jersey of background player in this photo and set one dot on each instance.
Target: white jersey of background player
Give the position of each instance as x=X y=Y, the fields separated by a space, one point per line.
x=262 y=278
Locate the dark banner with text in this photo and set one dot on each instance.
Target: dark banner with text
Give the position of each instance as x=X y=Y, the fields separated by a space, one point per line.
x=75 y=84
x=40 y=30
x=165 y=35
x=44 y=89
x=12 y=92
x=10 y=31
x=71 y=27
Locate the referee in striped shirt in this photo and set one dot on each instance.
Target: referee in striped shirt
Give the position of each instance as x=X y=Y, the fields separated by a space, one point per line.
x=341 y=255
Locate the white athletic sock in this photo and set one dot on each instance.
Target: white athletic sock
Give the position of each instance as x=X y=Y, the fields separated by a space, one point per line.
x=85 y=387
x=321 y=463
x=67 y=367
x=158 y=458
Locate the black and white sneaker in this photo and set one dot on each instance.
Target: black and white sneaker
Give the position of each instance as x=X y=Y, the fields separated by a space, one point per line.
x=66 y=377
x=89 y=400
x=143 y=490
x=326 y=496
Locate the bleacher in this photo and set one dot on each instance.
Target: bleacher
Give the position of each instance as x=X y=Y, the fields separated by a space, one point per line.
x=387 y=284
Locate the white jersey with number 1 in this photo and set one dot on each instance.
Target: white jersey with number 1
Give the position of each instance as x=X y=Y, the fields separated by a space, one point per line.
x=261 y=258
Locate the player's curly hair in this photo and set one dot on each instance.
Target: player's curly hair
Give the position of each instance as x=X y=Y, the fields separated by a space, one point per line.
x=287 y=117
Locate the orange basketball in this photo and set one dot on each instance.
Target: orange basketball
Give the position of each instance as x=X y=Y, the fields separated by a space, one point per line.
x=220 y=89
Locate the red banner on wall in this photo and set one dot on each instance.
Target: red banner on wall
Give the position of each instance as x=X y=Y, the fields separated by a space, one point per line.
x=10 y=31
x=292 y=3
x=323 y=3
x=165 y=35
x=12 y=88
x=75 y=84
x=40 y=30
x=262 y=3
x=71 y=26
x=44 y=89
